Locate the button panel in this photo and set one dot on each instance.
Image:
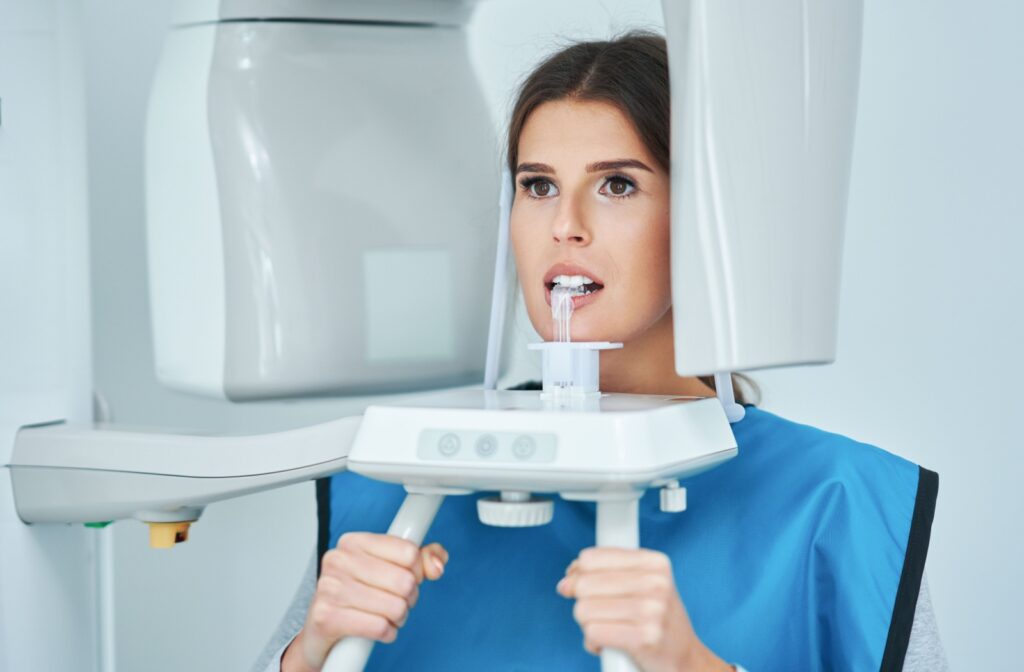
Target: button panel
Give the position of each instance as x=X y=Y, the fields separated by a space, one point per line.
x=502 y=447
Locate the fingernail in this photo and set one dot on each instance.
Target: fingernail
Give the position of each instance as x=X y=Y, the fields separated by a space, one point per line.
x=561 y=585
x=438 y=565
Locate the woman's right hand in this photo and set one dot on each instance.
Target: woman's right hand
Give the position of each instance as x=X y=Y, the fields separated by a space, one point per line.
x=367 y=586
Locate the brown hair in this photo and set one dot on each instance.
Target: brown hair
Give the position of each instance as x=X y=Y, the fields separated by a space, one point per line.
x=629 y=72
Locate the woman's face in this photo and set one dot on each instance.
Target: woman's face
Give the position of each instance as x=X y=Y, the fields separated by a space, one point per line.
x=591 y=201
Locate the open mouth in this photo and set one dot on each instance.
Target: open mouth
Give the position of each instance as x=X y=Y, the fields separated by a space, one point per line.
x=583 y=288
x=580 y=285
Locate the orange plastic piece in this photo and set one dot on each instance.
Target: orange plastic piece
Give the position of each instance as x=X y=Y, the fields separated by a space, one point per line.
x=166 y=535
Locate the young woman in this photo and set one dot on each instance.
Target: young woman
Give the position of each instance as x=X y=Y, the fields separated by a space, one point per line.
x=804 y=552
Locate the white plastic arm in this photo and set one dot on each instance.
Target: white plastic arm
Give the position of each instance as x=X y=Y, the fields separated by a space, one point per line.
x=88 y=473
x=618 y=525
x=499 y=292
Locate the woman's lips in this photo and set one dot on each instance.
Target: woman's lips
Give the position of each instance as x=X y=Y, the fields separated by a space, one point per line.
x=569 y=269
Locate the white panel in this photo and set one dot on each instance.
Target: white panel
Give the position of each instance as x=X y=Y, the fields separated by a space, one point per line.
x=764 y=100
x=319 y=156
x=278 y=152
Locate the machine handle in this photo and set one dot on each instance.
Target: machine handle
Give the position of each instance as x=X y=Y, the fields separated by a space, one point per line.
x=411 y=522
x=618 y=525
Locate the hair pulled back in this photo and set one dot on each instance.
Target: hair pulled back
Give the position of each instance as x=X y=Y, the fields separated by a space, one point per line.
x=629 y=72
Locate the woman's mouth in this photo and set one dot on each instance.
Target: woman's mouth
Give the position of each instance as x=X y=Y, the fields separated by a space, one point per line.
x=583 y=288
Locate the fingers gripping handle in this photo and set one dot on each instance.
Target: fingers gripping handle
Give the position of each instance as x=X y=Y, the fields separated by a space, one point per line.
x=412 y=522
x=618 y=524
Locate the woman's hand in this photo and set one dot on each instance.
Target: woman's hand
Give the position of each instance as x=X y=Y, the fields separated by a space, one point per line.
x=627 y=599
x=367 y=586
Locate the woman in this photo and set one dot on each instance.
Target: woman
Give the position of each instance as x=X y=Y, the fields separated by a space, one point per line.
x=804 y=552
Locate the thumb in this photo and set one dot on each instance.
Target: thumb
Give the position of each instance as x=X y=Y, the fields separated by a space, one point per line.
x=434 y=557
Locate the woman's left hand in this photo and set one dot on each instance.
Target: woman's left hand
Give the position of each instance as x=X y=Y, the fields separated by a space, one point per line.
x=627 y=599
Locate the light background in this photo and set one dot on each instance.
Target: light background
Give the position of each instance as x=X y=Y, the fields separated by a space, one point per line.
x=929 y=363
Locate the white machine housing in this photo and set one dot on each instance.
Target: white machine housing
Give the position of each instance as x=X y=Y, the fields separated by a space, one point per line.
x=472 y=440
x=764 y=99
x=83 y=473
x=321 y=182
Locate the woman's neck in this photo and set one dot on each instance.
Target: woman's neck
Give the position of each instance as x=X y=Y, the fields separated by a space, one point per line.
x=646 y=365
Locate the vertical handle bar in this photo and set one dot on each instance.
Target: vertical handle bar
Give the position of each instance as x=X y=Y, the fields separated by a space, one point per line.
x=618 y=524
x=411 y=522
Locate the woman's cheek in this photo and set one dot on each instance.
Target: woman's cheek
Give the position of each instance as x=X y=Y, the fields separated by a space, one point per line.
x=526 y=262
x=652 y=253
x=644 y=292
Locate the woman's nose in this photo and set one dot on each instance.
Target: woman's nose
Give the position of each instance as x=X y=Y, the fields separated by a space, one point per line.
x=568 y=227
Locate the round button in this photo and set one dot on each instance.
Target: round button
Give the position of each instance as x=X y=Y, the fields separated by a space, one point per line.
x=524 y=447
x=486 y=445
x=448 y=445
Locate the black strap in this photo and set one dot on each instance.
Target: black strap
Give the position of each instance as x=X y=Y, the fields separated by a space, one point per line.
x=323 y=518
x=913 y=570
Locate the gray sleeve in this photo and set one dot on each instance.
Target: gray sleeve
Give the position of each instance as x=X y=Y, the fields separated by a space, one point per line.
x=925 y=652
x=291 y=622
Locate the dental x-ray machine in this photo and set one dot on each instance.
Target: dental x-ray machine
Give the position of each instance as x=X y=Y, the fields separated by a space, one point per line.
x=302 y=242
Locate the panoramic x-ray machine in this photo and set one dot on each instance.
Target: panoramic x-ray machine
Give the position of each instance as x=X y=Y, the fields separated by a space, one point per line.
x=304 y=240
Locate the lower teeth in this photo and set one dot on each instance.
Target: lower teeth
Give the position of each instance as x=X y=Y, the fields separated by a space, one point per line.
x=581 y=291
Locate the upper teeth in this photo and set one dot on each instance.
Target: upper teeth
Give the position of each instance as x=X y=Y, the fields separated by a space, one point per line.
x=572 y=280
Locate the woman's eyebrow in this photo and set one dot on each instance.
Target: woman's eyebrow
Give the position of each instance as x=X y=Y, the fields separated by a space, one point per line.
x=617 y=164
x=534 y=168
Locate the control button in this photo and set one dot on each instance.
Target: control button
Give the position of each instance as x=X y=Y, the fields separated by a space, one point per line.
x=486 y=445
x=448 y=444
x=524 y=447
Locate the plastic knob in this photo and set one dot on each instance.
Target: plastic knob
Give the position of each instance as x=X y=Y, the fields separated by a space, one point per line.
x=673 y=498
x=531 y=513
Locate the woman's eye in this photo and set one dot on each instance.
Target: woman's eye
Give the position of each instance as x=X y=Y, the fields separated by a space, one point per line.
x=618 y=187
x=541 y=188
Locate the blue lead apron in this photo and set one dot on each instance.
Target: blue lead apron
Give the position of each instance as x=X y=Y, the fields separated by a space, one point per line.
x=805 y=552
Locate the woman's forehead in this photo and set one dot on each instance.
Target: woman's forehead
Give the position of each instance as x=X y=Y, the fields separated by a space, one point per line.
x=567 y=134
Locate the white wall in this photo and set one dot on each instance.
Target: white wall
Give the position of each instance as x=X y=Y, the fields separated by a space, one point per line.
x=45 y=363
x=930 y=362
x=930 y=316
